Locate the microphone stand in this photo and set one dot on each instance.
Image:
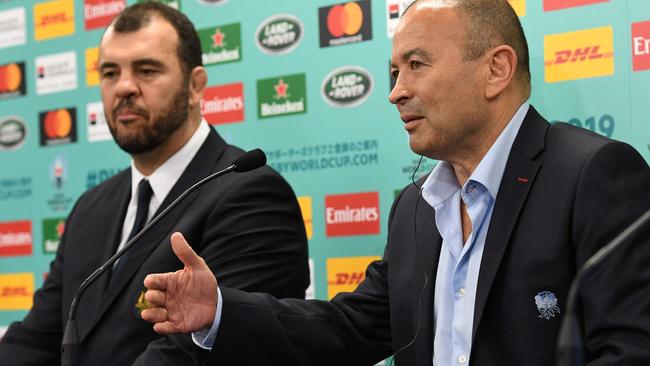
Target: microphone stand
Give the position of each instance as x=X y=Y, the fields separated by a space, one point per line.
x=570 y=343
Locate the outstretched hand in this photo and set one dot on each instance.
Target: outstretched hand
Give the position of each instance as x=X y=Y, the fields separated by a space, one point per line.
x=183 y=301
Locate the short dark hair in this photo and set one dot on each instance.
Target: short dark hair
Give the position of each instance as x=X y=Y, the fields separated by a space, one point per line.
x=492 y=23
x=138 y=16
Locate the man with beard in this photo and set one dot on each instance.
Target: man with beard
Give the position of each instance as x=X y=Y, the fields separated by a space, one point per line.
x=247 y=226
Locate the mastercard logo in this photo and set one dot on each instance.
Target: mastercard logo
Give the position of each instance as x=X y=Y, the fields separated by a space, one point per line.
x=345 y=23
x=57 y=123
x=11 y=78
x=345 y=19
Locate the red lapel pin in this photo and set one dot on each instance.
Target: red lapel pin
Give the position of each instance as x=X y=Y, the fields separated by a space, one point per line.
x=522 y=180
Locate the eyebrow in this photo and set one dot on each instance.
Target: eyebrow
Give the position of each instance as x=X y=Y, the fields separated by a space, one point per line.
x=107 y=65
x=136 y=63
x=148 y=62
x=414 y=52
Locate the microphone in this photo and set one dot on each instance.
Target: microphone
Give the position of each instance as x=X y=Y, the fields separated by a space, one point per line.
x=70 y=347
x=570 y=344
x=249 y=161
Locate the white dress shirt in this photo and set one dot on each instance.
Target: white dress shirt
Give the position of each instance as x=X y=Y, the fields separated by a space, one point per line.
x=162 y=179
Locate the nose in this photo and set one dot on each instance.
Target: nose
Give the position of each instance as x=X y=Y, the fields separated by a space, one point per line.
x=400 y=93
x=126 y=86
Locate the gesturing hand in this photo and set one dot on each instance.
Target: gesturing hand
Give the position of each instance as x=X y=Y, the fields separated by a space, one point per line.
x=183 y=301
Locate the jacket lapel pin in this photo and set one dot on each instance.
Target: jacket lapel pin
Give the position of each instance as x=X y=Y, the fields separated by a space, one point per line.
x=142 y=303
x=547 y=305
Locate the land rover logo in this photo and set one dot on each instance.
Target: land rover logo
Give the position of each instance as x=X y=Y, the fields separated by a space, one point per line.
x=347 y=86
x=279 y=34
x=12 y=133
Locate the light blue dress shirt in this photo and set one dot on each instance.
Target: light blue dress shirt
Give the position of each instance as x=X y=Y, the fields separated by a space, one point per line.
x=204 y=338
x=459 y=263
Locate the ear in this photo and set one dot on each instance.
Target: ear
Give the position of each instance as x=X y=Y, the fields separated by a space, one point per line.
x=198 y=81
x=502 y=64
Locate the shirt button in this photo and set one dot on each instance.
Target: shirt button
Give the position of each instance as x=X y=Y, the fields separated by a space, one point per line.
x=461 y=292
x=462 y=359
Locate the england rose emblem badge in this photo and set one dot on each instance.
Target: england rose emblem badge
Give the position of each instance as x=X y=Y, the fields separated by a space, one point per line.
x=547 y=304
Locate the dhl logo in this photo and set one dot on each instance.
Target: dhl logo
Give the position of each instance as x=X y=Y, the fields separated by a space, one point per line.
x=344 y=278
x=92 y=60
x=579 y=55
x=16 y=291
x=345 y=274
x=53 y=19
x=307 y=215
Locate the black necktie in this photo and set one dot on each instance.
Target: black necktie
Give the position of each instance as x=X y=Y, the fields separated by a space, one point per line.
x=141 y=215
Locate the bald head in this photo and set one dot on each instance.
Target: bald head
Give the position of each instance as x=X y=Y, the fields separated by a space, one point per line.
x=489 y=23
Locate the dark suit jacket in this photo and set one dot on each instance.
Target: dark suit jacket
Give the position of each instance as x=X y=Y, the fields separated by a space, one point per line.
x=247 y=227
x=565 y=193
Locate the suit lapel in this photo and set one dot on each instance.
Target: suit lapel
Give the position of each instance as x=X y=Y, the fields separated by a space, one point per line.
x=106 y=235
x=518 y=178
x=205 y=162
x=201 y=165
x=428 y=243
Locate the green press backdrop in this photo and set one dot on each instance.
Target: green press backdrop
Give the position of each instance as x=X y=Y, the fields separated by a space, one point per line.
x=307 y=81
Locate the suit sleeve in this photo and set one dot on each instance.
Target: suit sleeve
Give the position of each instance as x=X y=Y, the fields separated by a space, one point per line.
x=37 y=339
x=614 y=191
x=253 y=240
x=352 y=329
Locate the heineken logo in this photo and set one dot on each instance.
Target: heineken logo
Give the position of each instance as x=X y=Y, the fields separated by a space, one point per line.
x=52 y=231
x=221 y=44
x=281 y=96
x=281 y=89
x=347 y=86
x=217 y=39
x=13 y=132
x=279 y=34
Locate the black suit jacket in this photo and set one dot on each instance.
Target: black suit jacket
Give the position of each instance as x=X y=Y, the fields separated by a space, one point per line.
x=247 y=227
x=564 y=194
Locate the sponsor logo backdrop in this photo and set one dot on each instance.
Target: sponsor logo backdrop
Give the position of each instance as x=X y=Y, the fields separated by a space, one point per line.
x=307 y=81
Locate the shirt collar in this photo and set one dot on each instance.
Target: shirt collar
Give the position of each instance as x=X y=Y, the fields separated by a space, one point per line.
x=163 y=179
x=442 y=182
x=490 y=169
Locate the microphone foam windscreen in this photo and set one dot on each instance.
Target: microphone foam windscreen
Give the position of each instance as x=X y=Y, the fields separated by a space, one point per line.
x=250 y=160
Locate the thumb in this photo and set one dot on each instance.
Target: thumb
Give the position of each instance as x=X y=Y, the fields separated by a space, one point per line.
x=185 y=253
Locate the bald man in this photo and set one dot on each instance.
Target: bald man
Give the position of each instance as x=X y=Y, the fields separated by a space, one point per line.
x=481 y=252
